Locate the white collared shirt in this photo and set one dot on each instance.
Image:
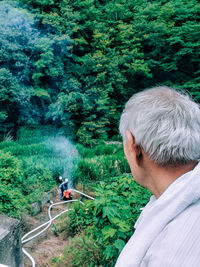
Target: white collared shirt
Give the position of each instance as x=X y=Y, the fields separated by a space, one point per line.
x=168 y=230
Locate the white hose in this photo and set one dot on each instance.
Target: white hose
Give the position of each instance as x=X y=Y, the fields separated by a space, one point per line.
x=29 y=256
x=83 y=194
x=48 y=224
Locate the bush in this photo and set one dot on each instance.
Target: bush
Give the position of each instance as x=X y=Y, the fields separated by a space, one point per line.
x=21 y=185
x=11 y=170
x=83 y=251
x=29 y=169
x=101 y=168
x=37 y=179
x=12 y=201
x=109 y=220
x=6 y=144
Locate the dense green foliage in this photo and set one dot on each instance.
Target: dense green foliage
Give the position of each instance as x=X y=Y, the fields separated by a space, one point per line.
x=31 y=166
x=74 y=63
x=100 y=163
x=106 y=223
x=31 y=73
x=12 y=201
x=102 y=226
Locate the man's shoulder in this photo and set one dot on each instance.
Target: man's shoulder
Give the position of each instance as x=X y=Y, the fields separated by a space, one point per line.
x=191 y=211
x=179 y=240
x=184 y=227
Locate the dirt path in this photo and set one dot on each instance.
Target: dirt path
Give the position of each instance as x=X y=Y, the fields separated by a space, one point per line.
x=48 y=245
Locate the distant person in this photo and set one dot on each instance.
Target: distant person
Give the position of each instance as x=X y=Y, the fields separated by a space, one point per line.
x=62 y=187
x=61 y=179
x=161 y=134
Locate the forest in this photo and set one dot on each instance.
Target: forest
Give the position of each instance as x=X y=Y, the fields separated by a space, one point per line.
x=66 y=70
x=74 y=63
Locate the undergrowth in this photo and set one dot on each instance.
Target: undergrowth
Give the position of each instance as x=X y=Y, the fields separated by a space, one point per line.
x=101 y=227
x=31 y=166
x=105 y=223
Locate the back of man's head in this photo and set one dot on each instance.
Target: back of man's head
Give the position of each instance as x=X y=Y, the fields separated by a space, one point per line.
x=165 y=123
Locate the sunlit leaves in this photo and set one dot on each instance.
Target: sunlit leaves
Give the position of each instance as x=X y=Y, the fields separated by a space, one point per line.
x=99 y=53
x=109 y=219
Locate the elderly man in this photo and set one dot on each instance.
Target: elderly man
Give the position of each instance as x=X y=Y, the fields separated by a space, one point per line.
x=161 y=133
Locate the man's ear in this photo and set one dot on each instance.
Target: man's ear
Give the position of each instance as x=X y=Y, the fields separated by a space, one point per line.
x=130 y=140
x=133 y=149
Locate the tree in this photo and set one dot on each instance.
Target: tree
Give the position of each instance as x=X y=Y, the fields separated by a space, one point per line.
x=86 y=58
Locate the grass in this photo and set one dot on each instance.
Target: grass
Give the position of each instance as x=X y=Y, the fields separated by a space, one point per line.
x=42 y=156
x=100 y=163
x=34 y=162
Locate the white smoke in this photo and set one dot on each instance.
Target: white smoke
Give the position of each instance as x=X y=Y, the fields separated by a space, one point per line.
x=66 y=151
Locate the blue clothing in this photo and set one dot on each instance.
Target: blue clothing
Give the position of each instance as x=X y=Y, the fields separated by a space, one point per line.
x=60 y=193
x=62 y=187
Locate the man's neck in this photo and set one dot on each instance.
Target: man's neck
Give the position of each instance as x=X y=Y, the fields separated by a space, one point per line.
x=160 y=178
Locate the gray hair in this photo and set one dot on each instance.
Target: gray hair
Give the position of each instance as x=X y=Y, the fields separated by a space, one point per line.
x=165 y=123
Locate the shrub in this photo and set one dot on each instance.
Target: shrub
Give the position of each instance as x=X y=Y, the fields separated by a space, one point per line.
x=6 y=144
x=11 y=170
x=83 y=251
x=12 y=202
x=101 y=168
x=31 y=165
x=100 y=163
x=37 y=179
x=109 y=219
